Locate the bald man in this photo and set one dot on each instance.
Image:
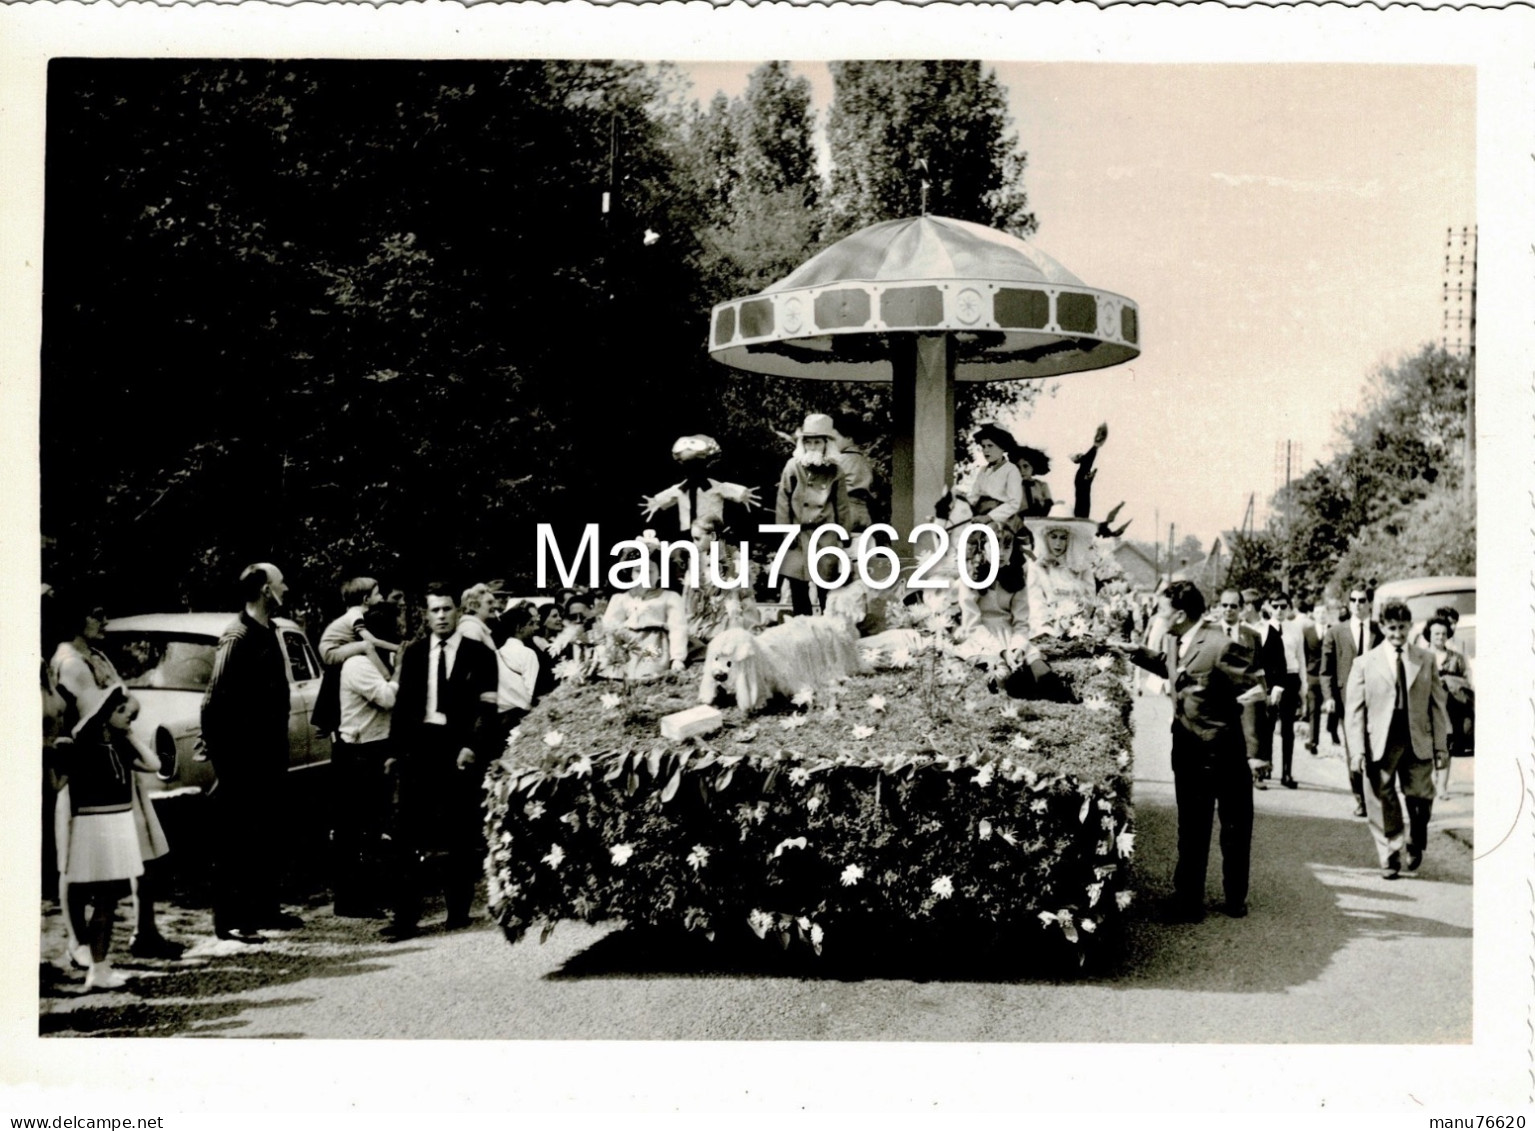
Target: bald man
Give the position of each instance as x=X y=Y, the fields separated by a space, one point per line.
x=245 y=731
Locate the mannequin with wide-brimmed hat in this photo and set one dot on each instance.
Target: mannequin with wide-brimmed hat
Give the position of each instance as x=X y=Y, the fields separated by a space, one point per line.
x=1060 y=585
x=812 y=492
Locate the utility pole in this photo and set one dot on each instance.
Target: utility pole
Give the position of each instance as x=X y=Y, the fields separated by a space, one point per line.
x=1459 y=298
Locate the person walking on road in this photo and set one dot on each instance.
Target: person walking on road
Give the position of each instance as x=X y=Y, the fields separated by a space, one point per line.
x=1398 y=731
x=1311 y=641
x=245 y=730
x=1209 y=673
x=1292 y=683
x=1345 y=642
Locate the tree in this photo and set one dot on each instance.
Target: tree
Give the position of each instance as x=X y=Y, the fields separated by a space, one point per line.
x=1430 y=537
x=895 y=124
x=1401 y=449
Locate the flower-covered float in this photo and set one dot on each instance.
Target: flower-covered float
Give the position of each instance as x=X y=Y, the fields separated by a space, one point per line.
x=916 y=795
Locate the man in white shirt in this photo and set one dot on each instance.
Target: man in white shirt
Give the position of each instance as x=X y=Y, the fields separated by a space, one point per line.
x=1294 y=649
x=516 y=670
x=358 y=760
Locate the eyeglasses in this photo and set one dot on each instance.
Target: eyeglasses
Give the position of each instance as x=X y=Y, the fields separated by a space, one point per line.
x=1358 y=600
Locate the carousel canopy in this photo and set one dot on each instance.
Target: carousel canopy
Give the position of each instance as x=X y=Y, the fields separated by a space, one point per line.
x=1010 y=310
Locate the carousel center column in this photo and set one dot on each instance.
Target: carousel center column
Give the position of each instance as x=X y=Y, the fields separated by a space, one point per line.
x=922 y=430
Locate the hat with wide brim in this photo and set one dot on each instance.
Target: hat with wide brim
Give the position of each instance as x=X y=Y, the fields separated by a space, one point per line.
x=95 y=716
x=1080 y=531
x=818 y=426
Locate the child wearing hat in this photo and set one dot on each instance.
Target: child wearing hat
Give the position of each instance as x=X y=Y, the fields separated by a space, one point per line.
x=102 y=853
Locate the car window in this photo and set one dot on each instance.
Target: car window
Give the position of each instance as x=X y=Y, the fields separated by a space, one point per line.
x=299 y=657
x=163 y=661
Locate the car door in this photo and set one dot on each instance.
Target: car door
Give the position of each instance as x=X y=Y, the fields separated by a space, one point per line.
x=303 y=687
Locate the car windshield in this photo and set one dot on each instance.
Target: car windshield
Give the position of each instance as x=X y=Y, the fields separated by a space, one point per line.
x=1463 y=601
x=165 y=661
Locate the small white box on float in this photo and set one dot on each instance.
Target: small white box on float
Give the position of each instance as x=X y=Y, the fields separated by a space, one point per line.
x=694 y=721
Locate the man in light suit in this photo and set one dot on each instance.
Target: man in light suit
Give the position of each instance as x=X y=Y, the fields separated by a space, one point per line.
x=442 y=736
x=1398 y=730
x=1208 y=673
x=1346 y=641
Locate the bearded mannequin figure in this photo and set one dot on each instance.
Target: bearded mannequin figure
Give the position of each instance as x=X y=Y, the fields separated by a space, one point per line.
x=812 y=491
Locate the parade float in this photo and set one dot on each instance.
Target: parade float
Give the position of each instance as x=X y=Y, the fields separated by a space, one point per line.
x=924 y=785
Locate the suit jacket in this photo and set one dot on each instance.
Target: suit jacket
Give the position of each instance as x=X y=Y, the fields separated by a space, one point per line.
x=1249 y=638
x=1312 y=642
x=470 y=720
x=1339 y=653
x=1270 y=654
x=1371 y=700
x=1206 y=681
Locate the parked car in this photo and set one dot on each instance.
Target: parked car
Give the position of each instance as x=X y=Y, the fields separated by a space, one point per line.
x=1425 y=594
x=166 y=659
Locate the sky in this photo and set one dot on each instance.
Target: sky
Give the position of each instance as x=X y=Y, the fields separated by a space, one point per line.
x=1282 y=228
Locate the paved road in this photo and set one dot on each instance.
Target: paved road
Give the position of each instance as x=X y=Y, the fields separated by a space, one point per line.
x=1330 y=953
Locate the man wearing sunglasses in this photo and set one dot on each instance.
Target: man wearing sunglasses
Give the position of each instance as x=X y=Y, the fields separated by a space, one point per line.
x=1344 y=643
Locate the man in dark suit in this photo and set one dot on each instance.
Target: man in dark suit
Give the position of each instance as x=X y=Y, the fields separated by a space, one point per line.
x=245 y=730
x=1344 y=642
x=1398 y=731
x=1208 y=673
x=1254 y=705
x=1312 y=641
x=443 y=738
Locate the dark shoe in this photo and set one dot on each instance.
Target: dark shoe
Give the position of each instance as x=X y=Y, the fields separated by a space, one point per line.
x=398 y=931
x=1359 y=808
x=1259 y=783
x=155 y=946
x=280 y=921
x=1414 y=858
x=1392 y=868
x=1233 y=910
x=1289 y=783
x=1310 y=748
x=239 y=934
x=457 y=922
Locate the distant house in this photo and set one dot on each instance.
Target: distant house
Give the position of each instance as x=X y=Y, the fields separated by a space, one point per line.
x=1140 y=570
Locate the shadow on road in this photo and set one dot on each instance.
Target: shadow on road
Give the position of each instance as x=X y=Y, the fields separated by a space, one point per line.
x=209 y=990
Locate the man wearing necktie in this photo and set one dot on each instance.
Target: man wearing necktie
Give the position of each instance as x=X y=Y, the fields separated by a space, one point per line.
x=1397 y=726
x=443 y=737
x=1344 y=643
x=1254 y=702
x=1209 y=674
